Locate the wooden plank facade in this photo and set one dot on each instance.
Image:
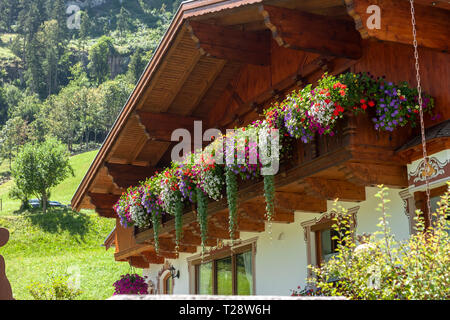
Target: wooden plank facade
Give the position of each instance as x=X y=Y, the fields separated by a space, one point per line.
x=223 y=62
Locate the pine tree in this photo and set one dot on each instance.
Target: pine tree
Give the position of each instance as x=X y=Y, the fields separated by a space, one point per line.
x=3 y=107
x=99 y=59
x=85 y=27
x=58 y=13
x=8 y=14
x=136 y=66
x=123 y=20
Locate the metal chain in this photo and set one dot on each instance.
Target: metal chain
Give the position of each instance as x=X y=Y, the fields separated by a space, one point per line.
x=422 y=125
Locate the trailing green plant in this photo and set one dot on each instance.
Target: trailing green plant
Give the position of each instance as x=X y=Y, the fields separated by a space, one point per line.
x=380 y=267
x=269 y=194
x=232 y=191
x=178 y=213
x=202 y=215
x=156 y=222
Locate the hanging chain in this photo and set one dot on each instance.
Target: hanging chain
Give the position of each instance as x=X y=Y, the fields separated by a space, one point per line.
x=422 y=125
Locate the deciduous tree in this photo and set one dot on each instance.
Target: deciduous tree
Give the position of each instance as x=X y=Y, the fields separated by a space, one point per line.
x=41 y=166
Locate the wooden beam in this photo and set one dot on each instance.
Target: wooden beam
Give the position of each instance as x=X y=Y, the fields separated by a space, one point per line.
x=217 y=230
x=168 y=254
x=300 y=202
x=368 y=174
x=152 y=257
x=250 y=47
x=103 y=200
x=138 y=262
x=169 y=245
x=243 y=223
x=191 y=239
x=161 y=125
x=125 y=175
x=432 y=23
x=330 y=189
x=106 y=212
x=256 y=211
x=104 y=203
x=311 y=32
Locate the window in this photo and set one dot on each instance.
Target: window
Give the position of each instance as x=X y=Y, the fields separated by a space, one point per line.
x=435 y=197
x=168 y=284
x=224 y=276
x=328 y=244
x=318 y=235
x=434 y=207
x=325 y=245
x=226 y=273
x=204 y=277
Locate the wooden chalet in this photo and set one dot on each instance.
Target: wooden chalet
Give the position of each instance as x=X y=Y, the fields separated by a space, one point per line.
x=223 y=62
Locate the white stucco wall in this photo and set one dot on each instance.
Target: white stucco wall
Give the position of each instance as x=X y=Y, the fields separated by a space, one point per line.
x=281 y=258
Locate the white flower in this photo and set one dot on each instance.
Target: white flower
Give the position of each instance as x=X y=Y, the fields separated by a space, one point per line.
x=212 y=185
x=139 y=216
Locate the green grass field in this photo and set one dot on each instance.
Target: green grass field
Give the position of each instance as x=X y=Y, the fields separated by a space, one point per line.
x=59 y=241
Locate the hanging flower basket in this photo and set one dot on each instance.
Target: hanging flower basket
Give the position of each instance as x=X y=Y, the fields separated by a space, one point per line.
x=131 y=284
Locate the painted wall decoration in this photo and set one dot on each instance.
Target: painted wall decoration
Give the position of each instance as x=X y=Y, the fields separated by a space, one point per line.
x=437 y=169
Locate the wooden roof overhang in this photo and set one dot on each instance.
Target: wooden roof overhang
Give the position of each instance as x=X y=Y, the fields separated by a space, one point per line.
x=222 y=62
x=437 y=139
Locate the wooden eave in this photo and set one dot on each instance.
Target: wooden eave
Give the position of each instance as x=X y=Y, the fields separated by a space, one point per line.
x=193 y=76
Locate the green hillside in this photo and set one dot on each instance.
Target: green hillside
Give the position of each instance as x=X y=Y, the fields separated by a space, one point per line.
x=59 y=241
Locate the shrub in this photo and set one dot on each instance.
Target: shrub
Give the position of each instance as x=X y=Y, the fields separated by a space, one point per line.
x=58 y=287
x=379 y=267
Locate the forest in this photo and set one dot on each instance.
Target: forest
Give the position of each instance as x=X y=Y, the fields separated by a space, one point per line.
x=68 y=67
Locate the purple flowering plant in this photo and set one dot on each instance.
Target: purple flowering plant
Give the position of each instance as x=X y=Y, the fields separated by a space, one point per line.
x=131 y=284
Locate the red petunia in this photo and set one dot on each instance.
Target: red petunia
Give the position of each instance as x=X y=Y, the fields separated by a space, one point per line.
x=371 y=103
x=364 y=106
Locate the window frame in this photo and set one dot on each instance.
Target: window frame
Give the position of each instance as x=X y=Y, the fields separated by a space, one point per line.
x=324 y=221
x=420 y=198
x=317 y=229
x=167 y=277
x=196 y=261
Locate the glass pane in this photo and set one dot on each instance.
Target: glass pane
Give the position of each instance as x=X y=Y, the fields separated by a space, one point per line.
x=224 y=276
x=328 y=245
x=204 y=278
x=244 y=273
x=169 y=285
